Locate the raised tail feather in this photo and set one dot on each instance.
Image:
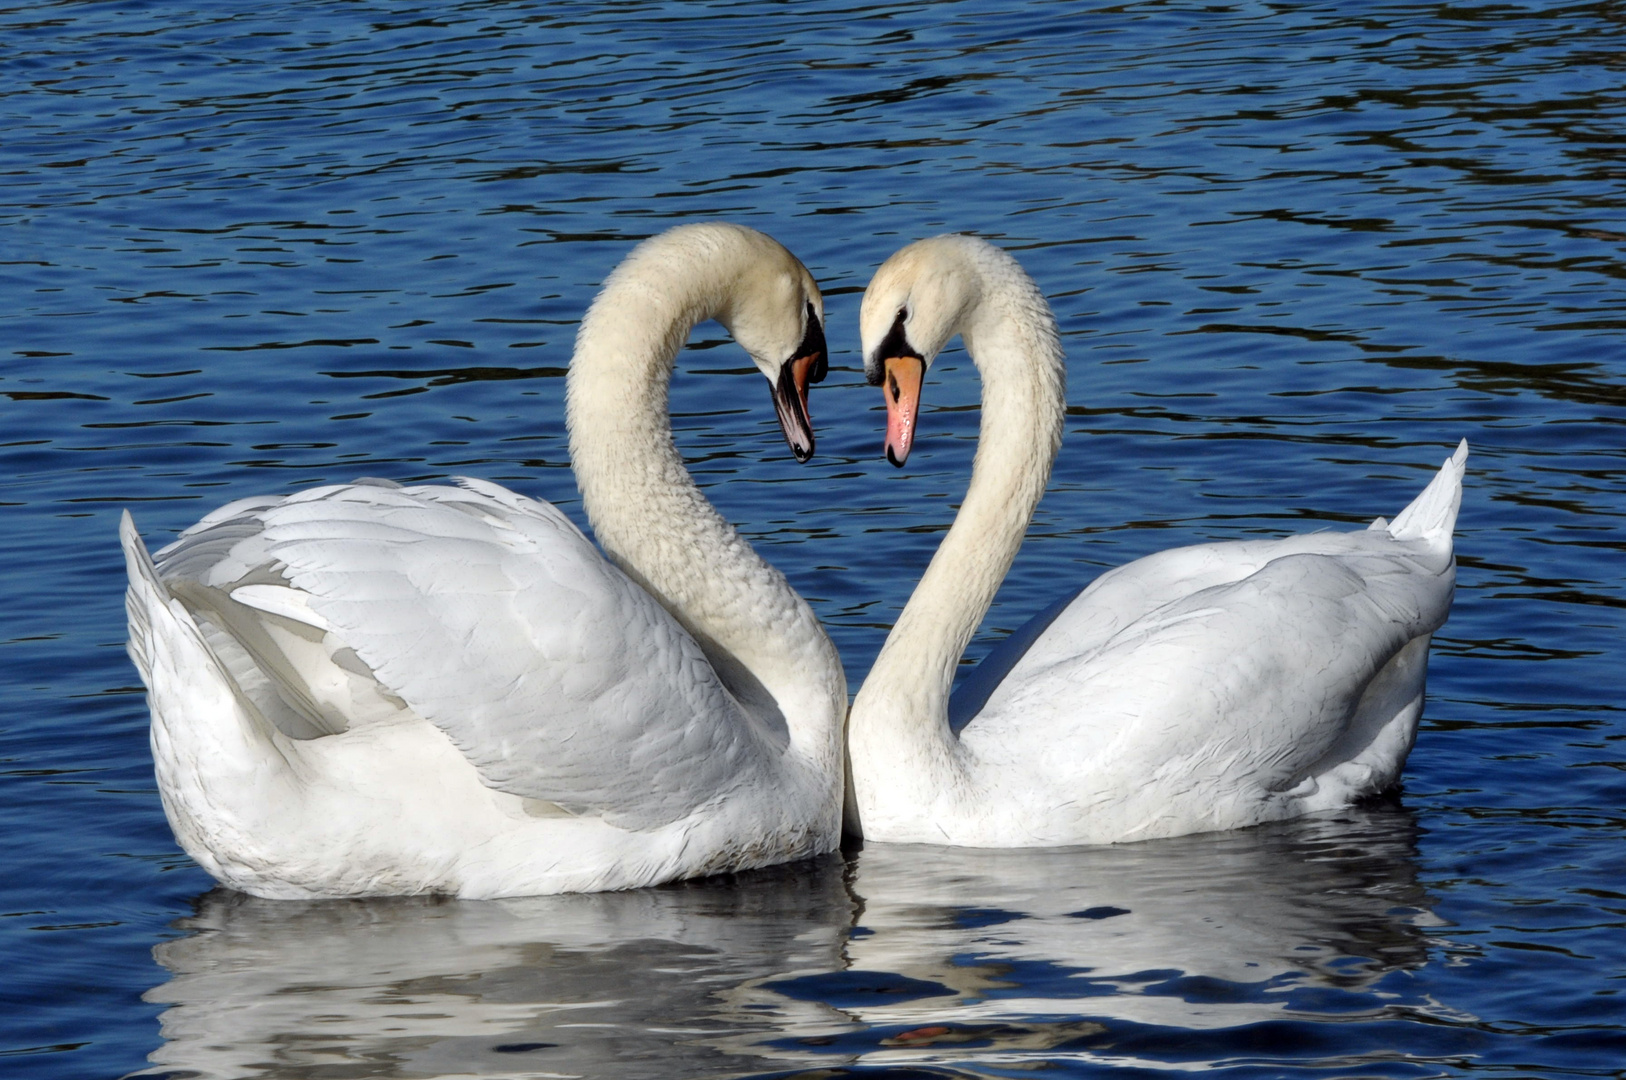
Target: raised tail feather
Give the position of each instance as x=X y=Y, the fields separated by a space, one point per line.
x=187 y=684
x=1432 y=516
x=144 y=594
x=162 y=632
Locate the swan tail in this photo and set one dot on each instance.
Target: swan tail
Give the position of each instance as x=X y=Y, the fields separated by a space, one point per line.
x=144 y=596
x=191 y=694
x=1433 y=514
x=220 y=775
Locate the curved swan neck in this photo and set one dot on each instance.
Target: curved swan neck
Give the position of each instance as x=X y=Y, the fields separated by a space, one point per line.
x=1011 y=335
x=647 y=512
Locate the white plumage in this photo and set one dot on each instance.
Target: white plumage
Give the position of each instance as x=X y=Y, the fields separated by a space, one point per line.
x=367 y=688
x=1202 y=688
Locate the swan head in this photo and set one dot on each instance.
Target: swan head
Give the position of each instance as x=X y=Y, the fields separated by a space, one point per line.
x=774 y=311
x=672 y=281
x=916 y=302
x=790 y=369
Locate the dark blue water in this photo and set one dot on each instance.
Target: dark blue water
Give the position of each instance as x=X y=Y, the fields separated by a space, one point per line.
x=1297 y=251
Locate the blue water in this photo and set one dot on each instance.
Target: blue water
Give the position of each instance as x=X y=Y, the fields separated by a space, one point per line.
x=1297 y=251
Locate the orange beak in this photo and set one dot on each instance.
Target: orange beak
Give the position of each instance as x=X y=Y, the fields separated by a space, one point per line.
x=808 y=364
x=790 y=401
x=900 y=382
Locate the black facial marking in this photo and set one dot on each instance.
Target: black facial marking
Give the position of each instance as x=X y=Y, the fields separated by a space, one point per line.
x=895 y=344
x=813 y=343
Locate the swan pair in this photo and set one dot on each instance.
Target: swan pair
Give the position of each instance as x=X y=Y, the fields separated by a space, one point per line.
x=367 y=689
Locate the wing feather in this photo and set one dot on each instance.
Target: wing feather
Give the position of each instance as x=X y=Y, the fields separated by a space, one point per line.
x=493 y=617
x=1257 y=652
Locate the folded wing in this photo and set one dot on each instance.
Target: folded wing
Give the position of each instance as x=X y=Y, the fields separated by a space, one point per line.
x=483 y=612
x=1233 y=660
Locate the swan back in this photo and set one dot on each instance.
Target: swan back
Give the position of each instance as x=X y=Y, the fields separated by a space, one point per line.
x=489 y=615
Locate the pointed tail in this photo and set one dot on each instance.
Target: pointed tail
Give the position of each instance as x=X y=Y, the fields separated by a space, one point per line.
x=1433 y=514
x=144 y=594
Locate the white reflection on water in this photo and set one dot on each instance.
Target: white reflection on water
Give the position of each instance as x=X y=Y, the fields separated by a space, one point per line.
x=904 y=954
x=1196 y=933
x=634 y=984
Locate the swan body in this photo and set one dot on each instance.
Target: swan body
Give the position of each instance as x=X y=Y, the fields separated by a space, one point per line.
x=368 y=689
x=1202 y=688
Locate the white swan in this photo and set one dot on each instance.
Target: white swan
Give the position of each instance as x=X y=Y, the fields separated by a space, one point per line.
x=1207 y=687
x=369 y=689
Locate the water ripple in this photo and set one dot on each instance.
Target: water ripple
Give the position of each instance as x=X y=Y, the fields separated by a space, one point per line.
x=1297 y=251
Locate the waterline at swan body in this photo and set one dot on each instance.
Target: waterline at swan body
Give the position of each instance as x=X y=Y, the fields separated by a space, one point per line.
x=368 y=689
x=1202 y=688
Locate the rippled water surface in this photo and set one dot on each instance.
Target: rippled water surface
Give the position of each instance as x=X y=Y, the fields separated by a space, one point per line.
x=1297 y=252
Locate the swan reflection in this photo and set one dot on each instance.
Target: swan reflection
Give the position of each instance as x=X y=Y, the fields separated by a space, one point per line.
x=1094 y=949
x=902 y=954
x=633 y=984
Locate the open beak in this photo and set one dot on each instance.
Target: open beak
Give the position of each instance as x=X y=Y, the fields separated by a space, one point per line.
x=790 y=393
x=900 y=382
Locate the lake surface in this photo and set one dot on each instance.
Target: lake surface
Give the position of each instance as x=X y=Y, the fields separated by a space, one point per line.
x=1297 y=251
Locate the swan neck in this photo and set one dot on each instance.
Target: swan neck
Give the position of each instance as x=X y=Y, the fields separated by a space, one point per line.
x=1011 y=337
x=648 y=514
